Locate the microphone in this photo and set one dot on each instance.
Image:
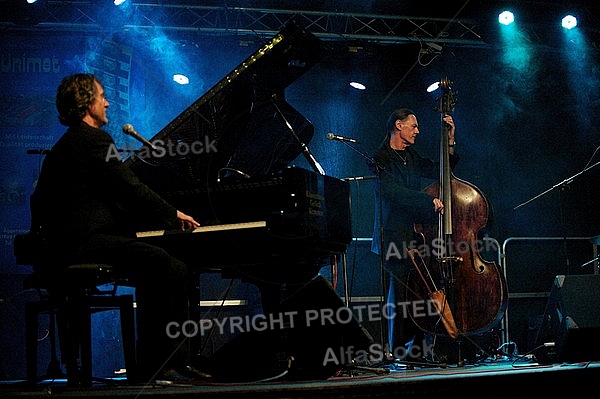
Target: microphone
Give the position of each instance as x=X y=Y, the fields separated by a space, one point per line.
x=130 y=131
x=332 y=136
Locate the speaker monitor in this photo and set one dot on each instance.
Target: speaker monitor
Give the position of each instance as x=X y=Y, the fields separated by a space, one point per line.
x=571 y=323
x=301 y=350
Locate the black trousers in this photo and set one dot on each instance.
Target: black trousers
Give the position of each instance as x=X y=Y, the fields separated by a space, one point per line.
x=402 y=331
x=166 y=294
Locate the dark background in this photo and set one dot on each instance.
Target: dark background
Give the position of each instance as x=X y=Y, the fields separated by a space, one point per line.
x=527 y=120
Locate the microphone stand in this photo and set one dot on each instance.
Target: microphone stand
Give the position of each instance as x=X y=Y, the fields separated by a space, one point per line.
x=354 y=366
x=562 y=184
x=383 y=325
x=594 y=260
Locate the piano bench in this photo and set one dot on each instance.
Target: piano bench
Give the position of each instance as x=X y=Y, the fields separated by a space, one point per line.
x=70 y=300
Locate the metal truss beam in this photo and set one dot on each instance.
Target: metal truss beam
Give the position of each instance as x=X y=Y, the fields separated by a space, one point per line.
x=89 y=16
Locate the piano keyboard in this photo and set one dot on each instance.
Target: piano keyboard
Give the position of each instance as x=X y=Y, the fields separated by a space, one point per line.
x=204 y=229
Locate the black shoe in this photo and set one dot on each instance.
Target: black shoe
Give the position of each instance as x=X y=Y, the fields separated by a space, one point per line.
x=186 y=375
x=193 y=372
x=172 y=376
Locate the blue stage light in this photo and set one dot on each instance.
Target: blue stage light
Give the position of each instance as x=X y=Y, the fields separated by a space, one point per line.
x=506 y=18
x=569 y=22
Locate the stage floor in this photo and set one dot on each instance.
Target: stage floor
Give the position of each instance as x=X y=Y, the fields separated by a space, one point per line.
x=499 y=378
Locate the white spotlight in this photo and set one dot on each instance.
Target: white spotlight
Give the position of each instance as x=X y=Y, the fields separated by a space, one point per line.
x=506 y=18
x=569 y=22
x=358 y=86
x=433 y=87
x=181 y=79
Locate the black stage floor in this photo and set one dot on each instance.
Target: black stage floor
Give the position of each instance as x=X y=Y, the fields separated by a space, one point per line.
x=490 y=379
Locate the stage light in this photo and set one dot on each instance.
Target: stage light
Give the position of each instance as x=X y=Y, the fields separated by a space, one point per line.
x=31 y=1
x=433 y=87
x=358 y=85
x=506 y=18
x=569 y=22
x=118 y=2
x=181 y=79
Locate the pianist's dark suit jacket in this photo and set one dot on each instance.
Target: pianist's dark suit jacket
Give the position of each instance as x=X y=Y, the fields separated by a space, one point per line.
x=83 y=192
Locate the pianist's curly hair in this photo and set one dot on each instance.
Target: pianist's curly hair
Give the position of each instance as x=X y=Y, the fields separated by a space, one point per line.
x=73 y=96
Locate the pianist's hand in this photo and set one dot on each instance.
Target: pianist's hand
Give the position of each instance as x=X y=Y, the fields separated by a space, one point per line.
x=186 y=221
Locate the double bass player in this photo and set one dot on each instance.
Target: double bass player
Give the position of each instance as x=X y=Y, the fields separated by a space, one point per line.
x=400 y=202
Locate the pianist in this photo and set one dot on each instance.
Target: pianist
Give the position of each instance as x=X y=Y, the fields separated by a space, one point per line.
x=84 y=202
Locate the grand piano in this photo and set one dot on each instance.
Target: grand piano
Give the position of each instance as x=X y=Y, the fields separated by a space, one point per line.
x=261 y=217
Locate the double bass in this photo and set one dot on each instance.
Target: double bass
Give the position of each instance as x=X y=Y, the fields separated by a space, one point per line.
x=469 y=293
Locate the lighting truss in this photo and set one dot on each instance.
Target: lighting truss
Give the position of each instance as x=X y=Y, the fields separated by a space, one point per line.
x=88 y=16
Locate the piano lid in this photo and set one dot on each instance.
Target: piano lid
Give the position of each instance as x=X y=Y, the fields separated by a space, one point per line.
x=239 y=128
